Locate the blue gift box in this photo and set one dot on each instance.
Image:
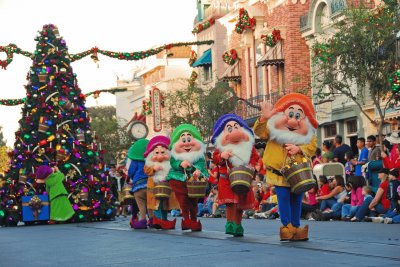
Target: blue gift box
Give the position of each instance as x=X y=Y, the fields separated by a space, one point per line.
x=35 y=208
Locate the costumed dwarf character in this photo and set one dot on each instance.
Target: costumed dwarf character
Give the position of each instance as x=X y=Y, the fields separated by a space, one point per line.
x=187 y=160
x=157 y=166
x=135 y=165
x=290 y=127
x=234 y=146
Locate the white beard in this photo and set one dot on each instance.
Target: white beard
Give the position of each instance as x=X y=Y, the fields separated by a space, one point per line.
x=159 y=176
x=192 y=156
x=242 y=150
x=287 y=137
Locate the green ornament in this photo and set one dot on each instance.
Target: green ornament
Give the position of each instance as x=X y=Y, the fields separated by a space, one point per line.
x=1 y=213
x=26 y=136
x=90 y=153
x=67 y=166
x=81 y=216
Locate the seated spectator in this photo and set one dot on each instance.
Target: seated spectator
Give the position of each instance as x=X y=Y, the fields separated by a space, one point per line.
x=207 y=206
x=348 y=167
x=214 y=173
x=356 y=197
x=393 y=185
x=310 y=202
x=323 y=184
x=317 y=158
x=337 y=192
x=256 y=189
x=394 y=215
x=377 y=205
x=265 y=194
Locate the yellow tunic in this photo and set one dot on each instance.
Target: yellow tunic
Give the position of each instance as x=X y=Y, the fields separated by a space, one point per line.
x=275 y=154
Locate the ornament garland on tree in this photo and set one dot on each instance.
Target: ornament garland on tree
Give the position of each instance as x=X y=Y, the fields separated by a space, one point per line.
x=244 y=21
x=203 y=26
x=273 y=39
x=394 y=81
x=12 y=48
x=230 y=57
x=54 y=130
x=193 y=58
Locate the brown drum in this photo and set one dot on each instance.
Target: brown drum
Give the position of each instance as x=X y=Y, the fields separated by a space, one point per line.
x=299 y=176
x=127 y=197
x=196 y=189
x=162 y=190
x=240 y=178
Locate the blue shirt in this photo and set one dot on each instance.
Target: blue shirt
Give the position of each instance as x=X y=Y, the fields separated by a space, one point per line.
x=137 y=175
x=363 y=157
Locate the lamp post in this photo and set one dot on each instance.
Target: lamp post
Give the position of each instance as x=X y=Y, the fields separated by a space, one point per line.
x=398 y=47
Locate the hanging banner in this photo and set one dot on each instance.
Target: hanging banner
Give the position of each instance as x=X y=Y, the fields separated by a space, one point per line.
x=156 y=101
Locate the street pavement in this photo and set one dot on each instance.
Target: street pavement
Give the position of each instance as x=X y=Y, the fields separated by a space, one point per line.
x=113 y=243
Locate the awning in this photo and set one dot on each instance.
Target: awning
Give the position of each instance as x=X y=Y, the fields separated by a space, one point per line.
x=205 y=59
x=232 y=73
x=274 y=56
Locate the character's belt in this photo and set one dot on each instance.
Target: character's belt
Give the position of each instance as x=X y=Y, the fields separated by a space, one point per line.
x=223 y=176
x=274 y=171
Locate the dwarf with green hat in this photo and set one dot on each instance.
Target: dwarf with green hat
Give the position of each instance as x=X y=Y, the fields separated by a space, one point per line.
x=135 y=166
x=187 y=160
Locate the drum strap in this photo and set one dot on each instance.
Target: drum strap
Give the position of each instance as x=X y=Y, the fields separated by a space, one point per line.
x=274 y=171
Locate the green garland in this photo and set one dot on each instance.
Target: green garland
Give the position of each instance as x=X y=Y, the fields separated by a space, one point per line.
x=244 y=21
x=12 y=48
x=19 y=101
x=202 y=26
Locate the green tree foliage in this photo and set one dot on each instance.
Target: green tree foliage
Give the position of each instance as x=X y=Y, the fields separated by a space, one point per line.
x=112 y=136
x=198 y=106
x=2 y=141
x=358 y=59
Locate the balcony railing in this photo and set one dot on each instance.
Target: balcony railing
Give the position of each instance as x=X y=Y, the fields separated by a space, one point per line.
x=247 y=111
x=218 y=8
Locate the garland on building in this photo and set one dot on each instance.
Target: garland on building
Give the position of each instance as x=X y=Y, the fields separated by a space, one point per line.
x=230 y=57
x=193 y=78
x=94 y=51
x=204 y=25
x=193 y=58
x=19 y=101
x=272 y=39
x=394 y=81
x=244 y=21
x=147 y=105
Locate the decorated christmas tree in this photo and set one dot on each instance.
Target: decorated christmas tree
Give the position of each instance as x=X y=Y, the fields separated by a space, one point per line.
x=54 y=130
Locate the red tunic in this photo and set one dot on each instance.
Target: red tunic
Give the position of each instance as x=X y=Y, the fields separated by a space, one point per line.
x=225 y=194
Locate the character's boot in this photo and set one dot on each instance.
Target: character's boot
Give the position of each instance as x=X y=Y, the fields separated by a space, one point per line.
x=301 y=234
x=195 y=226
x=150 y=223
x=229 y=228
x=186 y=224
x=157 y=223
x=133 y=220
x=168 y=225
x=142 y=224
x=237 y=229
x=287 y=232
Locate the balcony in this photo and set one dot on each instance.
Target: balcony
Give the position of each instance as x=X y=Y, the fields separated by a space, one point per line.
x=248 y=112
x=218 y=9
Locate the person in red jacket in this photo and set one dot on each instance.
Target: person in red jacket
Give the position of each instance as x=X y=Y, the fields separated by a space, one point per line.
x=234 y=143
x=389 y=162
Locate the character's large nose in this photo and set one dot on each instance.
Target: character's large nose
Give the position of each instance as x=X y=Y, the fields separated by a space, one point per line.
x=292 y=123
x=235 y=136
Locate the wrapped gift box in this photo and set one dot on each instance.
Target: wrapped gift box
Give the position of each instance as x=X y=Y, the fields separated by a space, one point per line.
x=35 y=208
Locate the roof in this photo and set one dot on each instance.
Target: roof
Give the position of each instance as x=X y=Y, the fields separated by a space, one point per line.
x=205 y=59
x=274 y=56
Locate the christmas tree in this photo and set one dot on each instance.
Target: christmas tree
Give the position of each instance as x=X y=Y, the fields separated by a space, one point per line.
x=54 y=130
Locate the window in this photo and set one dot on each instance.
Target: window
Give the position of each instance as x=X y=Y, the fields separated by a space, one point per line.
x=330 y=130
x=351 y=126
x=387 y=128
x=207 y=70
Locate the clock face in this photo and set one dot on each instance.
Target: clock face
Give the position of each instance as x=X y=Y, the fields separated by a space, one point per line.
x=139 y=130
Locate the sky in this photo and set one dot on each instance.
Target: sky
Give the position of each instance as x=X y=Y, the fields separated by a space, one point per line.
x=118 y=25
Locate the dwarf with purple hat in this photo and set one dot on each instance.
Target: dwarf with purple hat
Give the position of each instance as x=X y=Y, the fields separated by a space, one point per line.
x=234 y=146
x=157 y=166
x=60 y=207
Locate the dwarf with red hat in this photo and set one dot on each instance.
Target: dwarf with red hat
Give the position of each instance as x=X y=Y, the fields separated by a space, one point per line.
x=157 y=166
x=290 y=127
x=234 y=146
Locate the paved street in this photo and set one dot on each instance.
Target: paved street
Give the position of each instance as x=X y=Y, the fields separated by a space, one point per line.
x=115 y=244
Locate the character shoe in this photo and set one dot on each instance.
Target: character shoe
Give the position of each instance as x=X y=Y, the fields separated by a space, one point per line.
x=132 y=221
x=229 y=228
x=168 y=225
x=157 y=223
x=238 y=230
x=301 y=234
x=186 y=224
x=142 y=224
x=287 y=232
x=195 y=226
x=150 y=223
